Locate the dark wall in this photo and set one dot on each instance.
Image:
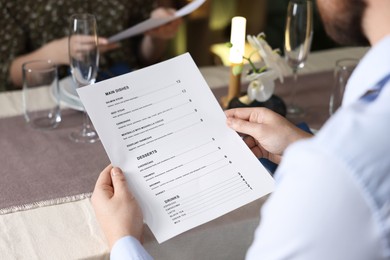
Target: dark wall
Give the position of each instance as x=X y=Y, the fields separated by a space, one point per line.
x=275 y=23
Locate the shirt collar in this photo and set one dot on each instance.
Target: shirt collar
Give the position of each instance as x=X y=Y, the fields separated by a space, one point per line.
x=372 y=68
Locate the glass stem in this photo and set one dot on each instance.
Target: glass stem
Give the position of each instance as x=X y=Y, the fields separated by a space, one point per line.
x=294 y=88
x=86 y=123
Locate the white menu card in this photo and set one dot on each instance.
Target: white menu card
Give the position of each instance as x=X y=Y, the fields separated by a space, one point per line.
x=152 y=23
x=164 y=128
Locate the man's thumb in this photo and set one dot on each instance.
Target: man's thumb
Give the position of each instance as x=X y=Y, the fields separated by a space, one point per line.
x=118 y=180
x=242 y=126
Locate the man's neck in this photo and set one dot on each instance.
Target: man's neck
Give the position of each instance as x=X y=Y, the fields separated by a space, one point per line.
x=376 y=21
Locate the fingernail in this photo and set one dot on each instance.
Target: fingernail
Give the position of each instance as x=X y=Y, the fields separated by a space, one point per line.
x=115 y=172
x=229 y=121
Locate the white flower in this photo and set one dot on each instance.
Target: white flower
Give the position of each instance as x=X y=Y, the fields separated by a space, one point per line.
x=262 y=81
x=271 y=58
x=262 y=86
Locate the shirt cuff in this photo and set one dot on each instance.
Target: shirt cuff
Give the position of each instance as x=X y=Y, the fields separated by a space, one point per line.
x=129 y=248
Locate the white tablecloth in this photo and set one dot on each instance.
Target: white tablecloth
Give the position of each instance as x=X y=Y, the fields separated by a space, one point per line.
x=70 y=231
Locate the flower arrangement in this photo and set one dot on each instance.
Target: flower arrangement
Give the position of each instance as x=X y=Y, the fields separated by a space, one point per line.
x=262 y=80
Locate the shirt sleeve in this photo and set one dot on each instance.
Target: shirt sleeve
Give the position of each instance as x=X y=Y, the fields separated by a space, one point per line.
x=129 y=248
x=316 y=212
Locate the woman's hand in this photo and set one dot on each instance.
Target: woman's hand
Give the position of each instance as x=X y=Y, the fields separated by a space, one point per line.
x=155 y=41
x=166 y=31
x=86 y=43
x=56 y=51
x=267 y=133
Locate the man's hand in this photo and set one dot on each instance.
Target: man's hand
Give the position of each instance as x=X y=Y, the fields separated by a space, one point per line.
x=267 y=133
x=116 y=209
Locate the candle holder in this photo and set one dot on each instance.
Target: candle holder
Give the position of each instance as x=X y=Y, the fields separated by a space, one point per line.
x=274 y=103
x=234 y=88
x=237 y=49
x=262 y=80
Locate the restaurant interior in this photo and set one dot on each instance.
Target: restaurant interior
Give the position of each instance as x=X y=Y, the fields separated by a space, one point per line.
x=208 y=28
x=48 y=176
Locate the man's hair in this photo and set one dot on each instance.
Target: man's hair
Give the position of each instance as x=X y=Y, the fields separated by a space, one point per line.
x=347 y=28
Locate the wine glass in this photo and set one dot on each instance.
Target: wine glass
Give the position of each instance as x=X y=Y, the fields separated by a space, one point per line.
x=84 y=62
x=298 y=36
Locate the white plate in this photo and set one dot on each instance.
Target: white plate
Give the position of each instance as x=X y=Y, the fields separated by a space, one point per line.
x=68 y=95
x=68 y=88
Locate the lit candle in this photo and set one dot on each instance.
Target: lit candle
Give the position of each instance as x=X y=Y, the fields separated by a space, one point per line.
x=237 y=38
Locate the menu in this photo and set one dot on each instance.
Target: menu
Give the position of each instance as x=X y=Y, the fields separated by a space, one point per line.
x=152 y=23
x=164 y=128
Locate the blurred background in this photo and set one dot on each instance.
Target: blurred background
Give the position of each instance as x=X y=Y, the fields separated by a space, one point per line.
x=205 y=31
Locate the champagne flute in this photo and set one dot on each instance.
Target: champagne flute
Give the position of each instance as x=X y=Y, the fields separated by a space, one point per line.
x=298 y=36
x=84 y=62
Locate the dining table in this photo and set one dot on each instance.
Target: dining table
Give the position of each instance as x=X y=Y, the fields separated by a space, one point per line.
x=46 y=180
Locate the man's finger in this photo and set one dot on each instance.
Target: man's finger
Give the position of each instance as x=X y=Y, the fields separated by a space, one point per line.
x=119 y=181
x=257 y=115
x=245 y=127
x=104 y=177
x=242 y=113
x=257 y=152
x=250 y=141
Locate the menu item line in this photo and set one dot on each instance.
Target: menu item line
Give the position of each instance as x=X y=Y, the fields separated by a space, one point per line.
x=219 y=203
x=210 y=190
x=198 y=177
x=216 y=199
x=177 y=156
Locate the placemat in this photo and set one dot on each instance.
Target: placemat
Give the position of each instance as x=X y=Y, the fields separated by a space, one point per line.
x=44 y=167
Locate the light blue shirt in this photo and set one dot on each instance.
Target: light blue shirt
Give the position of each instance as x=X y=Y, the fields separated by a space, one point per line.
x=333 y=191
x=332 y=199
x=129 y=248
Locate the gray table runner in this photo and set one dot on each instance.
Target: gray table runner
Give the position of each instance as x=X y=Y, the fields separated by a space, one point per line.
x=44 y=167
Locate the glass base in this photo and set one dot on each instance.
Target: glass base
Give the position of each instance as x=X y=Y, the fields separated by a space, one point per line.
x=295 y=111
x=84 y=136
x=44 y=122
